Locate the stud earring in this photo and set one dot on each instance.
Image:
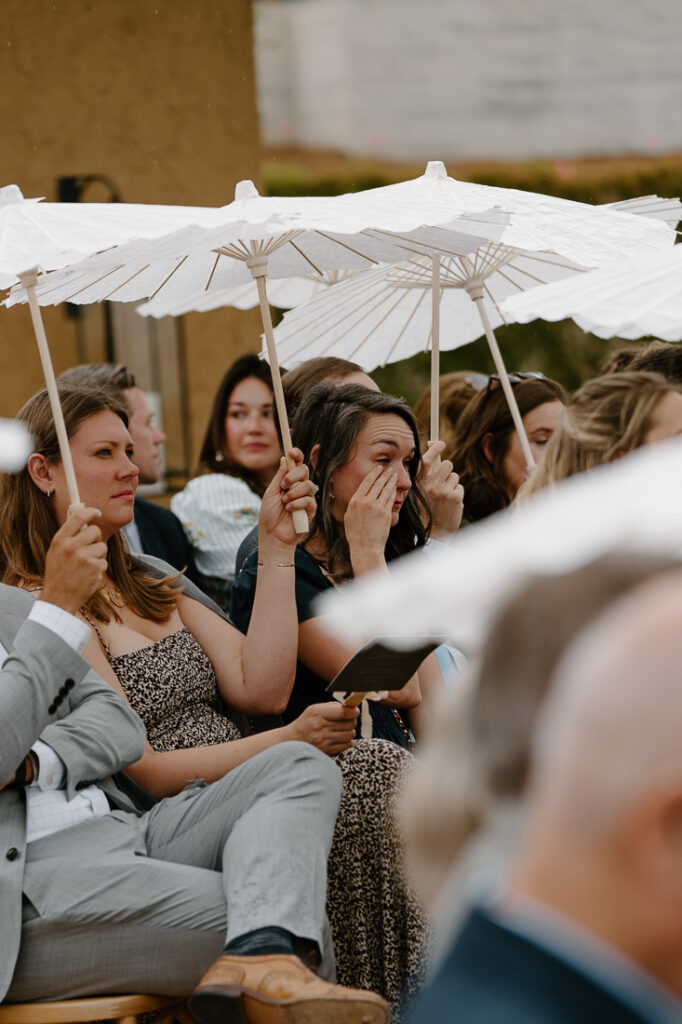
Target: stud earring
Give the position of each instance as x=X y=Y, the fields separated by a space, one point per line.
x=48 y=492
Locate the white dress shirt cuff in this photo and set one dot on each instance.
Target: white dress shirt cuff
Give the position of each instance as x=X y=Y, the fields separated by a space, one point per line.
x=72 y=631
x=52 y=771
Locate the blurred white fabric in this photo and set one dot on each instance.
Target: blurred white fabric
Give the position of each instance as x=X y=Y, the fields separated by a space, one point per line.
x=629 y=505
x=629 y=299
x=15 y=445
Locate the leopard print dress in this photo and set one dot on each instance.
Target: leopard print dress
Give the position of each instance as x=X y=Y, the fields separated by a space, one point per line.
x=378 y=927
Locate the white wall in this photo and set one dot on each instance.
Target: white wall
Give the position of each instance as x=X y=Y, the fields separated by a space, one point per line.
x=469 y=79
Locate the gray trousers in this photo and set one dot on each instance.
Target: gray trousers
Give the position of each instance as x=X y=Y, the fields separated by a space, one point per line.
x=126 y=904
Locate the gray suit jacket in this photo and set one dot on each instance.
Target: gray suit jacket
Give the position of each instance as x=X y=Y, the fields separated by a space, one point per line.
x=92 y=729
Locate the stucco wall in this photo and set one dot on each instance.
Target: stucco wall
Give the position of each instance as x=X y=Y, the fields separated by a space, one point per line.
x=158 y=95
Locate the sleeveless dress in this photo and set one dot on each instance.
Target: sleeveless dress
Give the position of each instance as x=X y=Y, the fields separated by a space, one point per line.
x=378 y=927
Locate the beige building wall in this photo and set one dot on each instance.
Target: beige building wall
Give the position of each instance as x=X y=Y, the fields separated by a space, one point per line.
x=159 y=96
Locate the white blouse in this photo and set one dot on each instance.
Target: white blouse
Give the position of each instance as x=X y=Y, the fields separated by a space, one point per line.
x=217 y=511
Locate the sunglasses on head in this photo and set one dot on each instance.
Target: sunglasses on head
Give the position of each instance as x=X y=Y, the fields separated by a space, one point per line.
x=514 y=378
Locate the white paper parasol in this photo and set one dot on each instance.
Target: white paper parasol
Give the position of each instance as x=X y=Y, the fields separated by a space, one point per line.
x=36 y=235
x=389 y=308
x=630 y=505
x=288 y=293
x=285 y=293
x=284 y=237
x=278 y=237
x=391 y=313
x=631 y=299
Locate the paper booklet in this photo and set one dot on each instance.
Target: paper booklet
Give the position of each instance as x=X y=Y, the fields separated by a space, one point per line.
x=377 y=666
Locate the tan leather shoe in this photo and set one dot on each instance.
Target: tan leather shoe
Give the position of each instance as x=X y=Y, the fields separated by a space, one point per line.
x=279 y=989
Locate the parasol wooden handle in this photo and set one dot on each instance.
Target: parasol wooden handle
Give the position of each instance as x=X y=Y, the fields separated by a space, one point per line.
x=300 y=518
x=353 y=700
x=474 y=289
x=435 y=350
x=28 y=280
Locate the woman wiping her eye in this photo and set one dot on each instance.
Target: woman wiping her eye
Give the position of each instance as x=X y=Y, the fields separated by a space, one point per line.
x=363 y=452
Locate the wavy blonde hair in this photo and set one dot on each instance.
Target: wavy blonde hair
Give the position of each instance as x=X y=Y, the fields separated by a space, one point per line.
x=608 y=417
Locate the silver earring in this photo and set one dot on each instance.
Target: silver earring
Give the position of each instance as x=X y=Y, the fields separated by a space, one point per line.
x=48 y=492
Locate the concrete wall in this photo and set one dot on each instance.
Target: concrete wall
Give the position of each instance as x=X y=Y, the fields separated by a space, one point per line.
x=456 y=79
x=157 y=94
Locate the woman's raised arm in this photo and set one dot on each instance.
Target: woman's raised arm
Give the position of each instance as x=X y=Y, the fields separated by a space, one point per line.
x=256 y=672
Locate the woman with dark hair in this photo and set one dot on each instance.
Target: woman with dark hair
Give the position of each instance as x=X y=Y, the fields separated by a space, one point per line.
x=299 y=381
x=362 y=448
x=296 y=384
x=363 y=451
x=175 y=660
x=238 y=459
x=487 y=452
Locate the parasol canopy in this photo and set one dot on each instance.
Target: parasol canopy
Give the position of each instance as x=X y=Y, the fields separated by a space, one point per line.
x=261 y=236
x=393 y=312
x=428 y=216
x=35 y=235
x=629 y=299
x=288 y=293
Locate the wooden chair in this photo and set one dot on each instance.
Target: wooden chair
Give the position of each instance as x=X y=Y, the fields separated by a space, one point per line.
x=122 y=1009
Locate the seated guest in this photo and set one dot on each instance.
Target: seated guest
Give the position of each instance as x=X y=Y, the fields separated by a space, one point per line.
x=621 y=359
x=487 y=452
x=589 y=927
x=363 y=451
x=463 y=809
x=607 y=418
x=436 y=479
x=191 y=887
x=455 y=391
x=663 y=357
x=153 y=530
x=239 y=456
x=157 y=643
x=298 y=382
x=660 y=357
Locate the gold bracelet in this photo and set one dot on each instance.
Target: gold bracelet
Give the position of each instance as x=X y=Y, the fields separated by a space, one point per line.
x=281 y=565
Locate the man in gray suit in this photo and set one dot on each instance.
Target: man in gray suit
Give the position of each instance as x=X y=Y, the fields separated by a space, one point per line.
x=97 y=897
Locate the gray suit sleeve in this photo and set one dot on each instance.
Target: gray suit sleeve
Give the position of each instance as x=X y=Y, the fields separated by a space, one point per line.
x=48 y=691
